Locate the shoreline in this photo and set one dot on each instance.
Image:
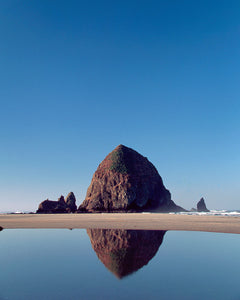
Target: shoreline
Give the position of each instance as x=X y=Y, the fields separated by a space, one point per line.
x=137 y=221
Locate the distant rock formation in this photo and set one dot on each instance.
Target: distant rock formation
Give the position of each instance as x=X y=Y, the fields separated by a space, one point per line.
x=125 y=251
x=126 y=181
x=201 y=206
x=61 y=206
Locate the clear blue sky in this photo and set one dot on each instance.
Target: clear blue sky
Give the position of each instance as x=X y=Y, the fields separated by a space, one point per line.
x=80 y=77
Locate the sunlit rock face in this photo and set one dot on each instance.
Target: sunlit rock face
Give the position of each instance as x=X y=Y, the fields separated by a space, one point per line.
x=125 y=251
x=126 y=181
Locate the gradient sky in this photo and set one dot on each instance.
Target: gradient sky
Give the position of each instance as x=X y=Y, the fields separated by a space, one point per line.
x=80 y=77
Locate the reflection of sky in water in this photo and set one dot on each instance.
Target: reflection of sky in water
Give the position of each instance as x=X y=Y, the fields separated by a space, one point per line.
x=61 y=264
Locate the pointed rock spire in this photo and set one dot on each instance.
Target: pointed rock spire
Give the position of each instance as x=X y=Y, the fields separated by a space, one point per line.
x=70 y=200
x=201 y=206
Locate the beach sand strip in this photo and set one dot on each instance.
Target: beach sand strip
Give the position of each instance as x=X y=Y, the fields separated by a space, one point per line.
x=139 y=221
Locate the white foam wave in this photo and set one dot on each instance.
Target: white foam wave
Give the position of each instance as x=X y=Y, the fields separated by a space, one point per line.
x=233 y=213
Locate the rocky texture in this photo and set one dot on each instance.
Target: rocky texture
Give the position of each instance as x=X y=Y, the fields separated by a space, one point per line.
x=201 y=206
x=127 y=181
x=125 y=251
x=71 y=202
x=61 y=206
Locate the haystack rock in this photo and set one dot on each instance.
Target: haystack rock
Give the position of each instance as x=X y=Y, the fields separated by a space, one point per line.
x=61 y=206
x=125 y=251
x=126 y=181
x=201 y=206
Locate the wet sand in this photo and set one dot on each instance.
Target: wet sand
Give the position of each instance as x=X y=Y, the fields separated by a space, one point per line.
x=154 y=221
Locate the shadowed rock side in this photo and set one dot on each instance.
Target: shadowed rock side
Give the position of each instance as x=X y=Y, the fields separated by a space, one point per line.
x=61 y=206
x=201 y=206
x=125 y=251
x=127 y=181
x=1 y=228
x=71 y=202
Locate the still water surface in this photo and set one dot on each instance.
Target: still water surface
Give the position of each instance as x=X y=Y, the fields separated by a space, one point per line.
x=118 y=264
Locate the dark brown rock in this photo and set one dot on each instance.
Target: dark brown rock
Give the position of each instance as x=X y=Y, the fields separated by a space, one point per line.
x=126 y=181
x=201 y=206
x=60 y=206
x=61 y=200
x=50 y=207
x=125 y=251
x=71 y=202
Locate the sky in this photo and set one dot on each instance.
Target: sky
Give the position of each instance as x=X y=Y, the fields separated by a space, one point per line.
x=78 y=78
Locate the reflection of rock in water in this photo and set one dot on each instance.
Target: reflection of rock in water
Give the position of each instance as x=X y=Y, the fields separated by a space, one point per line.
x=125 y=251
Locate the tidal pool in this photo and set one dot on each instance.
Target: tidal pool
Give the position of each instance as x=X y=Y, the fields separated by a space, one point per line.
x=118 y=264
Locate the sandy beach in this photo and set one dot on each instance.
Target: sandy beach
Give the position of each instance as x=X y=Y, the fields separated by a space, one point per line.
x=157 y=221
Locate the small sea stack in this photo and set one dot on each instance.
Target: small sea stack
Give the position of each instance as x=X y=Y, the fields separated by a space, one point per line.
x=125 y=181
x=67 y=205
x=70 y=201
x=201 y=206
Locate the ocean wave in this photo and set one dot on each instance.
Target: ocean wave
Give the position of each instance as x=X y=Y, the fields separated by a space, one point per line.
x=230 y=213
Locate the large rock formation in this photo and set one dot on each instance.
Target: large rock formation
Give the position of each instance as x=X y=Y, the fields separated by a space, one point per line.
x=201 y=206
x=127 y=181
x=61 y=206
x=125 y=251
